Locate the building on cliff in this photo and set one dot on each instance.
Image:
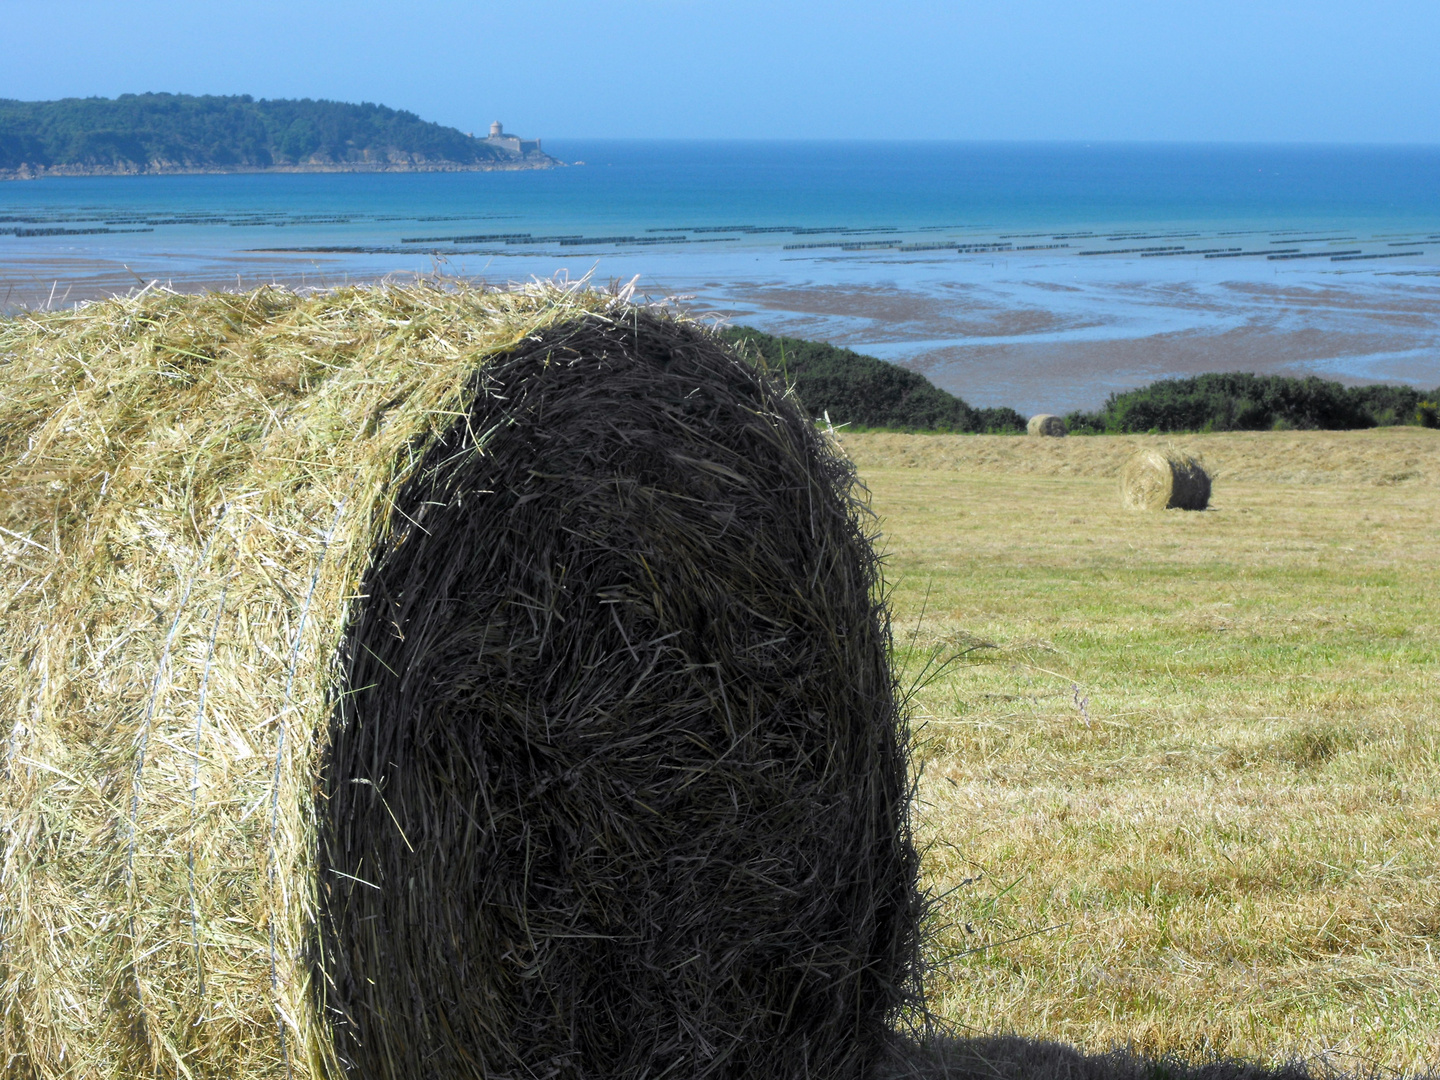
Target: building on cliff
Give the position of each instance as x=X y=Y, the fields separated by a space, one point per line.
x=512 y=143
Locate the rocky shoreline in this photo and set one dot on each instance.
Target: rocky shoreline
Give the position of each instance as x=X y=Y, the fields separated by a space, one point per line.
x=39 y=172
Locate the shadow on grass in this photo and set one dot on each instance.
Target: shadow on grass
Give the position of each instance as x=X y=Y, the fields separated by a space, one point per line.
x=1010 y=1057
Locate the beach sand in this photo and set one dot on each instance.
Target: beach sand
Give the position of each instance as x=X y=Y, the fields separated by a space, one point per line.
x=1049 y=346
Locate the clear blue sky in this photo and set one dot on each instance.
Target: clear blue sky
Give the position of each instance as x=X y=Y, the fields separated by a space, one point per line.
x=1269 y=70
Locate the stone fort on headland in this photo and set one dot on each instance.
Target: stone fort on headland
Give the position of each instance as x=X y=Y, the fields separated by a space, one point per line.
x=512 y=144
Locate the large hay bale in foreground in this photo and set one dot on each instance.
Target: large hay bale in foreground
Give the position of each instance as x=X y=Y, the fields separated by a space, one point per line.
x=1164 y=479
x=410 y=683
x=1046 y=424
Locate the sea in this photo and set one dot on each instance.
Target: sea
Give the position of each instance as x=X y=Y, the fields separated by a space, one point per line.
x=1040 y=276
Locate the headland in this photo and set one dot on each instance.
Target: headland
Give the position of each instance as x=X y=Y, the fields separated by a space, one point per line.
x=170 y=134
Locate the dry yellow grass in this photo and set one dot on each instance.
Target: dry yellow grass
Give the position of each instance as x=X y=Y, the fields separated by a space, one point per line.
x=1192 y=755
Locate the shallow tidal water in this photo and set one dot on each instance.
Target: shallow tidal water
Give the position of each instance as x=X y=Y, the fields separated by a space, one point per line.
x=1038 y=276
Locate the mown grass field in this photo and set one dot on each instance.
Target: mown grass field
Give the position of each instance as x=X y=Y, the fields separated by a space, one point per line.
x=1181 y=778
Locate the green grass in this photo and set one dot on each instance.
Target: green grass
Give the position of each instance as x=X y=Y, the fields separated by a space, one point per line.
x=1193 y=756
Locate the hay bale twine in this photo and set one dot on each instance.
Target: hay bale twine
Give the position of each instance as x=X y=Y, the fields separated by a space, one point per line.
x=416 y=683
x=1046 y=424
x=1164 y=479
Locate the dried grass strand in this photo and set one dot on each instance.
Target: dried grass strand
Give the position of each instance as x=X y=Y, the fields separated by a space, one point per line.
x=195 y=787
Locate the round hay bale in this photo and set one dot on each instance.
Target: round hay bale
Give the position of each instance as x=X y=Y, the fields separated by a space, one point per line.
x=420 y=683
x=1164 y=479
x=1046 y=424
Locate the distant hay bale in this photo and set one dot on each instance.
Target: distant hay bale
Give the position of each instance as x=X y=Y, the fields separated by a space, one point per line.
x=1164 y=479
x=414 y=683
x=1046 y=424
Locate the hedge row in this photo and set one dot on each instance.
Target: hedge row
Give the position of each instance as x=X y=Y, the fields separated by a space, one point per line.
x=866 y=392
x=1239 y=401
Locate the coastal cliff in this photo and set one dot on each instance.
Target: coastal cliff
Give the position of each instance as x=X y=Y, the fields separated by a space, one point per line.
x=148 y=134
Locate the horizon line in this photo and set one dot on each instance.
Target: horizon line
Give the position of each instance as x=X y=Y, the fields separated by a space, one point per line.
x=1009 y=141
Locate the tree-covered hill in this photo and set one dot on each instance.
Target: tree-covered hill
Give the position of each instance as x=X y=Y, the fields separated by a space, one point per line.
x=184 y=133
x=864 y=391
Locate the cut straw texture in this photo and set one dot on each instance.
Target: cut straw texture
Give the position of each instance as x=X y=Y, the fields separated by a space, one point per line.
x=1164 y=479
x=419 y=682
x=1046 y=424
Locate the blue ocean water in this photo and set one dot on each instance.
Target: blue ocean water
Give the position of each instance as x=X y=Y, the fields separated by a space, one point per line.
x=1000 y=269
x=629 y=187
x=1014 y=185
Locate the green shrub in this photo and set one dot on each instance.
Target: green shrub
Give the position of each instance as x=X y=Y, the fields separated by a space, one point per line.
x=852 y=388
x=1241 y=401
x=867 y=392
x=1386 y=404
